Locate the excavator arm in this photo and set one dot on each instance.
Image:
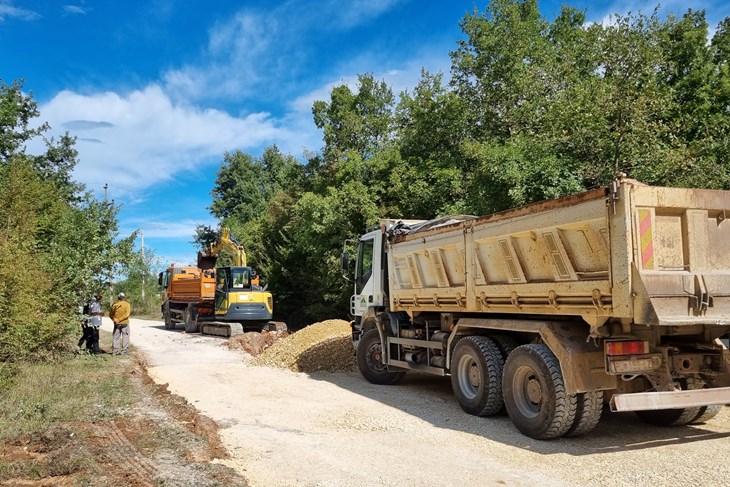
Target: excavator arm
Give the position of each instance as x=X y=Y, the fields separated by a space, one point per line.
x=228 y=243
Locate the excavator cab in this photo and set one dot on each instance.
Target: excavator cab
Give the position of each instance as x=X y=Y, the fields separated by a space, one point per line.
x=238 y=298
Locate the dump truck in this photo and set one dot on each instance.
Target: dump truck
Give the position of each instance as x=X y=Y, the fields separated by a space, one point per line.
x=618 y=295
x=186 y=291
x=222 y=300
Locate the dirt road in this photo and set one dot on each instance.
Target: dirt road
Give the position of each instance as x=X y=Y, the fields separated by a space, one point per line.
x=284 y=429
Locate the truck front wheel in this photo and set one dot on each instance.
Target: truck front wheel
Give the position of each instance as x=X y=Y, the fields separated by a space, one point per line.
x=169 y=324
x=476 y=376
x=370 y=360
x=534 y=393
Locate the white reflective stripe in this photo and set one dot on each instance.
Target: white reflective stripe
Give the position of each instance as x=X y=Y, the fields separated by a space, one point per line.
x=642 y=401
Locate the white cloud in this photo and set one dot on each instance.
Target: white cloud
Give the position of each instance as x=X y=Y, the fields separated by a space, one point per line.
x=141 y=138
x=134 y=140
x=358 y=11
x=74 y=9
x=7 y=11
x=165 y=229
x=259 y=49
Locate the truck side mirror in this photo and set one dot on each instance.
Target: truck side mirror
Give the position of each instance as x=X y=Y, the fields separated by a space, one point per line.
x=345 y=265
x=159 y=278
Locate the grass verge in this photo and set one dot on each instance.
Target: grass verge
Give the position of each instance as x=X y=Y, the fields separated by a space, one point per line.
x=99 y=420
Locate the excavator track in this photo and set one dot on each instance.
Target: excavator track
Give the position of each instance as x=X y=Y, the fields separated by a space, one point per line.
x=221 y=329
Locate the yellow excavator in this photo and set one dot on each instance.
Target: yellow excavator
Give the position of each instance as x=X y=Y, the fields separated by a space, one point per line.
x=214 y=300
x=240 y=301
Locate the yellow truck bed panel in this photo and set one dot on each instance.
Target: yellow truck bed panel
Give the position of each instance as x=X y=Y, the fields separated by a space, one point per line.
x=654 y=255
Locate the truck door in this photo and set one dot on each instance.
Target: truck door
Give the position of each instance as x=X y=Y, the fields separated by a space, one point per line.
x=368 y=274
x=222 y=284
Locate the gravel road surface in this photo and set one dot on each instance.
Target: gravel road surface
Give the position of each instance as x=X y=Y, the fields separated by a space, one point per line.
x=335 y=429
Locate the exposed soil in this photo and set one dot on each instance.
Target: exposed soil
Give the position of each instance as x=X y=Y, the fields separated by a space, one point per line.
x=162 y=441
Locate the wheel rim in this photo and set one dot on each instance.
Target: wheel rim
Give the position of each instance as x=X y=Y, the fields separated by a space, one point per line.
x=375 y=357
x=469 y=376
x=528 y=392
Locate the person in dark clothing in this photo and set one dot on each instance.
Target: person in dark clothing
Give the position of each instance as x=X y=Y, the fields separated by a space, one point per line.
x=90 y=324
x=87 y=331
x=95 y=314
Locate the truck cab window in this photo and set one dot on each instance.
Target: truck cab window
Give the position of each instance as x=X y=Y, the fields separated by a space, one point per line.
x=364 y=264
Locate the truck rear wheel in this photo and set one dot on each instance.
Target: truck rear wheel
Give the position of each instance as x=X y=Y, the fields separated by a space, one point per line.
x=505 y=344
x=370 y=360
x=669 y=417
x=476 y=375
x=706 y=413
x=190 y=318
x=589 y=406
x=534 y=393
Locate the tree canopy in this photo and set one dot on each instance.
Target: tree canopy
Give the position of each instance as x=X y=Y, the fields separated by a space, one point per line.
x=58 y=245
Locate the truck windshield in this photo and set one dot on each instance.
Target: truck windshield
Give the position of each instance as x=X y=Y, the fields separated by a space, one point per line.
x=364 y=268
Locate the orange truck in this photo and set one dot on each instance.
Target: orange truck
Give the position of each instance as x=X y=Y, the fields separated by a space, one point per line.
x=188 y=291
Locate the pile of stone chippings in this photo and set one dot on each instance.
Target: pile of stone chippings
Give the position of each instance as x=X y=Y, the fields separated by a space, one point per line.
x=324 y=346
x=253 y=342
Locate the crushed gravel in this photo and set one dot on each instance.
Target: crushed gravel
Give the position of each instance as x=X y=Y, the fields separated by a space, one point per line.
x=253 y=342
x=322 y=347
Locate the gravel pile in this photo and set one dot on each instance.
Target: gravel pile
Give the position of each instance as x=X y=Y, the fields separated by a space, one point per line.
x=324 y=346
x=254 y=342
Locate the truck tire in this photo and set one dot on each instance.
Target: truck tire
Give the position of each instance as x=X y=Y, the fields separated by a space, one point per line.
x=534 y=393
x=476 y=375
x=505 y=344
x=706 y=414
x=589 y=406
x=190 y=318
x=370 y=360
x=169 y=324
x=670 y=417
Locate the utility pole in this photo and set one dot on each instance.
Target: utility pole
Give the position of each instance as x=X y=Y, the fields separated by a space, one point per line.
x=111 y=288
x=144 y=264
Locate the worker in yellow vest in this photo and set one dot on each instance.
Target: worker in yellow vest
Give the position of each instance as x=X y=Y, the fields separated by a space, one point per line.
x=119 y=313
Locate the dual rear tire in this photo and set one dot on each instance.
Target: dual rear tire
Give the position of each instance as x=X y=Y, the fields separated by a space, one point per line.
x=190 y=319
x=489 y=373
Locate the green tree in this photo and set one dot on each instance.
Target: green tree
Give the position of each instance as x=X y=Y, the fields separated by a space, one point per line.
x=428 y=177
x=354 y=123
x=58 y=245
x=535 y=109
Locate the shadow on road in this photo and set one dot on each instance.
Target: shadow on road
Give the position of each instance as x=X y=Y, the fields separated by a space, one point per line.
x=431 y=399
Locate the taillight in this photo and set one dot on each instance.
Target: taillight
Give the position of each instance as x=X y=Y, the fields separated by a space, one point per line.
x=626 y=347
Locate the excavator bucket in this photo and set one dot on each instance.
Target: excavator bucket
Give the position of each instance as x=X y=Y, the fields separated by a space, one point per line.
x=206 y=262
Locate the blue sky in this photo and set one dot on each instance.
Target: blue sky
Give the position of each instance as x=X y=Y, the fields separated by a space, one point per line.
x=157 y=91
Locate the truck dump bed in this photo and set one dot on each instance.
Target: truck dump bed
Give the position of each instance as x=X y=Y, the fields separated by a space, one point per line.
x=191 y=284
x=652 y=255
